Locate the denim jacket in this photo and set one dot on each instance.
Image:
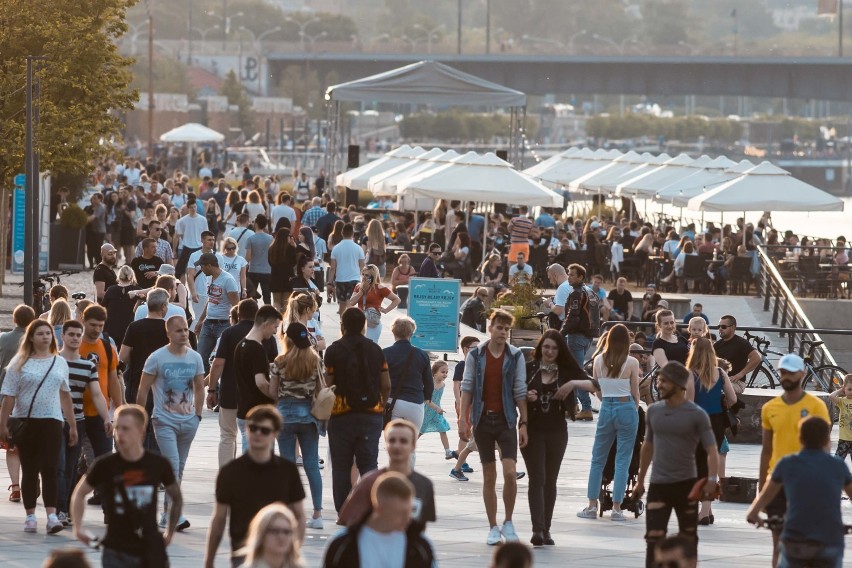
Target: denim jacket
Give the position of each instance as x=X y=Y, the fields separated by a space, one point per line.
x=514 y=381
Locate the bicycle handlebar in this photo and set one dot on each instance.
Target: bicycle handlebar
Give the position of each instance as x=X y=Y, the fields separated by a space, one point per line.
x=777 y=523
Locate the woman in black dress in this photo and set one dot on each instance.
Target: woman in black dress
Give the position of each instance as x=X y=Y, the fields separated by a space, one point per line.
x=282 y=260
x=120 y=303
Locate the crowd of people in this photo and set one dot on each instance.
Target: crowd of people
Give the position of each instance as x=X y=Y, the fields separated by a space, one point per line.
x=211 y=296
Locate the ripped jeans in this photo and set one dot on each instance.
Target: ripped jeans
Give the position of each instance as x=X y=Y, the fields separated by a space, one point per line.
x=662 y=498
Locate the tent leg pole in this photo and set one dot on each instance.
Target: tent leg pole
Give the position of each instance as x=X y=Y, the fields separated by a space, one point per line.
x=484 y=247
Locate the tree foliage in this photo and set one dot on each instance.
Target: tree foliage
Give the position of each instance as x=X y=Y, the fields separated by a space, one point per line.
x=84 y=81
x=455 y=126
x=170 y=76
x=678 y=128
x=233 y=90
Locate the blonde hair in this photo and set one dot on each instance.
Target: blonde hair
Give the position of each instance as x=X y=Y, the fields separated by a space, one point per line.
x=25 y=350
x=228 y=240
x=703 y=325
x=702 y=360
x=375 y=235
x=297 y=364
x=258 y=528
x=374 y=272
x=297 y=305
x=60 y=312
x=126 y=274
x=658 y=319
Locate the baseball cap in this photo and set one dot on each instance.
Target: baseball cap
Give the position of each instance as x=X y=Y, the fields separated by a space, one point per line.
x=208 y=258
x=675 y=372
x=298 y=334
x=791 y=362
x=166 y=269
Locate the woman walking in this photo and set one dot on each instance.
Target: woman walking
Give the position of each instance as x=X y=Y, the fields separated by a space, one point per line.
x=303 y=308
x=294 y=377
x=368 y=296
x=60 y=312
x=374 y=246
x=706 y=389
x=235 y=264
x=272 y=540
x=618 y=376
x=120 y=303
x=550 y=398
x=36 y=387
x=282 y=260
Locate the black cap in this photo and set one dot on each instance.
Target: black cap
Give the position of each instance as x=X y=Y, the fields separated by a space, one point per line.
x=299 y=335
x=208 y=258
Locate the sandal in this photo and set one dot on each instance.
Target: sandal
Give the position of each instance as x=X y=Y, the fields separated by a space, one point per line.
x=14 y=494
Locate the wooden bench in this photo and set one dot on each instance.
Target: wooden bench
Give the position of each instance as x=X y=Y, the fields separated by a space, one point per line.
x=750 y=430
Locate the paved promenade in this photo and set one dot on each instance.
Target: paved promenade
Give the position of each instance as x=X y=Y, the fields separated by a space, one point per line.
x=458 y=536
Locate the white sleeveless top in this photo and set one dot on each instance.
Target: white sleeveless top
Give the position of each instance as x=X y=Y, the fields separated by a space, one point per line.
x=612 y=386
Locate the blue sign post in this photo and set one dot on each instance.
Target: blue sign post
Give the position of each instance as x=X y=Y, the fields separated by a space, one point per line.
x=433 y=303
x=19 y=215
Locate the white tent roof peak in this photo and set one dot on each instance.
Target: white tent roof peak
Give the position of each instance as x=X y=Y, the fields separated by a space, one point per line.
x=702 y=161
x=680 y=160
x=741 y=167
x=399 y=150
x=722 y=163
x=429 y=154
x=767 y=168
x=192 y=132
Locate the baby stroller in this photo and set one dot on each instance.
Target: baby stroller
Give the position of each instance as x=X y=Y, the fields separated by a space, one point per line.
x=636 y=506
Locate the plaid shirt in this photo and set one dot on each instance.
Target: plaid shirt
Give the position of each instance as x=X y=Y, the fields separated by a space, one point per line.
x=164 y=250
x=311 y=216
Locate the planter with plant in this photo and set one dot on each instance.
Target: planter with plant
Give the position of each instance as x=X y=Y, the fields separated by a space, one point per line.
x=67 y=239
x=522 y=299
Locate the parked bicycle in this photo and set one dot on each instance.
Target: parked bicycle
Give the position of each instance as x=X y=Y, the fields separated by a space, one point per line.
x=824 y=378
x=41 y=289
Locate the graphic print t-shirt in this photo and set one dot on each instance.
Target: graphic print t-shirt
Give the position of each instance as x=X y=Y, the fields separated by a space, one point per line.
x=140 y=480
x=174 y=399
x=218 y=304
x=95 y=353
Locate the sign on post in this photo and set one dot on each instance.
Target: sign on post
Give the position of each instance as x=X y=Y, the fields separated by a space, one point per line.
x=433 y=303
x=19 y=219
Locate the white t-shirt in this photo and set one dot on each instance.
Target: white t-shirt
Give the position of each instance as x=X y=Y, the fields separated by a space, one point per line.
x=190 y=228
x=347 y=254
x=280 y=211
x=218 y=304
x=561 y=297
x=171 y=310
x=23 y=385
x=253 y=210
x=241 y=235
x=381 y=550
x=200 y=277
x=233 y=266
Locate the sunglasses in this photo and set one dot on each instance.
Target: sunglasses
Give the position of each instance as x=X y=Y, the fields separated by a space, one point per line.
x=435 y=253
x=265 y=430
x=230 y=248
x=720 y=326
x=280 y=532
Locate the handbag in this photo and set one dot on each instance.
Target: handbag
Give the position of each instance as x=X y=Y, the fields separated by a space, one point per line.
x=324 y=397
x=387 y=416
x=18 y=426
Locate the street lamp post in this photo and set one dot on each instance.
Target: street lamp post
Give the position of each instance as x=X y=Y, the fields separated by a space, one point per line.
x=409 y=41
x=429 y=34
x=256 y=42
x=302 y=27
x=226 y=22
x=571 y=41
x=203 y=33
x=313 y=38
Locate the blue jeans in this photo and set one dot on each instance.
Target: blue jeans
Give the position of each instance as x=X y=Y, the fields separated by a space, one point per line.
x=299 y=425
x=174 y=439
x=69 y=457
x=617 y=421
x=241 y=424
x=828 y=557
x=578 y=345
x=210 y=333
x=352 y=437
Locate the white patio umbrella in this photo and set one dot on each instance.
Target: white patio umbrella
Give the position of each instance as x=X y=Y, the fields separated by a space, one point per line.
x=385 y=183
x=647 y=184
x=191 y=133
x=545 y=165
x=714 y=174
x=569 y=170
x=357 y=178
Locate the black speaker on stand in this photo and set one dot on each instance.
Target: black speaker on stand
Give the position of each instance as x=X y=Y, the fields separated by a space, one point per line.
x=353 y=156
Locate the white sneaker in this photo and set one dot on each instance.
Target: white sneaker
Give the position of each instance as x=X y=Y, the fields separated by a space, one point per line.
x=588 y=513
x=494 y=536
x=509 y=534
x=299 y=461
x=164 y=520
x=617 y=516
x=314 y=523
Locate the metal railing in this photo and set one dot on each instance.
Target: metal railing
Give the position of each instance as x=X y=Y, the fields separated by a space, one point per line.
x=787 y=313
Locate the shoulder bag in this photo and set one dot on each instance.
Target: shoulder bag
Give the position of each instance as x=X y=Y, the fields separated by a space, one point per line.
x=388 y=413
x=374 y=316
x=324 y=397
x=18 y=426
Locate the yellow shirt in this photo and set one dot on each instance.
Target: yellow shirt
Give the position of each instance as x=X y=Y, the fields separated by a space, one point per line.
x=783 y=419
x=845 y=406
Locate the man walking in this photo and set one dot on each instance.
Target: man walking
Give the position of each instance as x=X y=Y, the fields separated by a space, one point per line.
x=222 y=389
x=128 y=480
x=176 y=374
x=674 y=428
x=357 y=367
x=578 y=328
x=146 y=266
x=196 y=281
x=312 y=215
x=223 y=293
x=326 y=223
x=257 y=254
x=188 y=231
x=164 y=249
x=283 y=210
x=737 y=351
x=252 y=481
x=347 y=260
x=780 y=418
x=104 y=275
x=494 y=397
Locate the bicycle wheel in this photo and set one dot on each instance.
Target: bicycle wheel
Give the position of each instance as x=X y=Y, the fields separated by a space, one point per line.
x=827 y=378
x=761 y=378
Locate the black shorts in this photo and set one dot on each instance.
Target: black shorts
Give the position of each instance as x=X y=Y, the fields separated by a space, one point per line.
x=344 y=290
x=778 y=506
x=493 y=429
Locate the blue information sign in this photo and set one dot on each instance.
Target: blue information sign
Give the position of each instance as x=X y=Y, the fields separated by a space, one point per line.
x=20 y=180
x=433 y=303
x=19 y=215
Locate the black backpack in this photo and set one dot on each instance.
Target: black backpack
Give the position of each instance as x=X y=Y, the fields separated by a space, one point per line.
x=361 y=387
x=583 y=313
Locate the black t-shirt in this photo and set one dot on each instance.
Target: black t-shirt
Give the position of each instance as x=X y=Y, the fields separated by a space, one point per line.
x=119 y=305
x=228 y=341
x=142 y=265
x=144 y=336
x=620 y=302
x=140 y=480
x=677 y=351
x=247 y=486
x=105 y=274
x=736 y=351
x=249 y=359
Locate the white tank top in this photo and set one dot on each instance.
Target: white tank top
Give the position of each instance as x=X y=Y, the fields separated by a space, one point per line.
x=612 y=386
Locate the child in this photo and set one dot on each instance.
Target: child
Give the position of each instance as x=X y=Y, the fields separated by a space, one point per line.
x=433 y=417
x=844 y=406
x=465 y=446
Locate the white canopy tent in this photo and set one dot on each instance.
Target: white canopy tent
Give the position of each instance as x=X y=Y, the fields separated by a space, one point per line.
x=191 y=133
x=568 y=170
x=646 y=185
x=714 y=174
x=630 y=166
x=357 y=178
x=544 y=165
x=385 y=182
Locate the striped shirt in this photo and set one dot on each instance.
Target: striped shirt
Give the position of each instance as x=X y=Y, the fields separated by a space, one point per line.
x=81 y=372
x=520 y=229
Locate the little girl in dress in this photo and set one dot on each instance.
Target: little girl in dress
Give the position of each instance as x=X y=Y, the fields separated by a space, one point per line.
x=433 y=416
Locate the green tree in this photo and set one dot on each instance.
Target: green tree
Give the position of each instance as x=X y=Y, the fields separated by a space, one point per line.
x=233 y=89
x=84 y=81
